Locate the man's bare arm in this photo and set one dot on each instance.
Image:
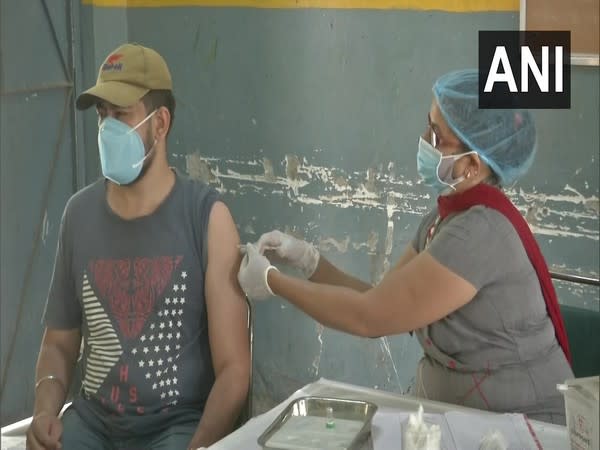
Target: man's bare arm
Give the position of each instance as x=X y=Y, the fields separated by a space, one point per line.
x=228 y=332
x=57 y=357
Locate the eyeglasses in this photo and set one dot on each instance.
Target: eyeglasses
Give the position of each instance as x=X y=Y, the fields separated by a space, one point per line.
x=434 y=138
x=435 y=141
x=431 y=136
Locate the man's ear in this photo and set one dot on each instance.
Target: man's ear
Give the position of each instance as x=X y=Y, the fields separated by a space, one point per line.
x=163 y=118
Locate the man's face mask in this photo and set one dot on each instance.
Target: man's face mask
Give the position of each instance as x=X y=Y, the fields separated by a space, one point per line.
x=436 y=169
x=122 y=151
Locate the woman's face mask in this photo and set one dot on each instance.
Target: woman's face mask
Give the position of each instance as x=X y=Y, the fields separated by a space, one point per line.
x=436 y=169
x=122 y=151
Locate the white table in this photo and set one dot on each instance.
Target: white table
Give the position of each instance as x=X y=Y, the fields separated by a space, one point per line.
x=552 y=437
x=13 y=435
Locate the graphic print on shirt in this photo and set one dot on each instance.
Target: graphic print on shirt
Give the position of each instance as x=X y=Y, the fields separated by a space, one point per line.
x=131 y=296
x=159 y=348
x=138 y=296
x=104 y=347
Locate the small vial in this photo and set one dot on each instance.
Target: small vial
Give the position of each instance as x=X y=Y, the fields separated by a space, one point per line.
x=330 y=422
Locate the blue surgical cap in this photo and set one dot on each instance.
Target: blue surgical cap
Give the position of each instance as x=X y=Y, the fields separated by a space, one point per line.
x=504 y=139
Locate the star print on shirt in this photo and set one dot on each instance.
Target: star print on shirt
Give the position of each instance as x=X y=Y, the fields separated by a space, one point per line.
x=168 y=334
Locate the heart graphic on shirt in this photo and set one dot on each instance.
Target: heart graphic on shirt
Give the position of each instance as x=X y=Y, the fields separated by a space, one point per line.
x=131 y=287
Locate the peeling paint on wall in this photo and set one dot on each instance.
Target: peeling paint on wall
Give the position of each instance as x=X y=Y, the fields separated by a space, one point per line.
x=566 y=214
x=199 y=168
x=370 y=244
x=269 y=171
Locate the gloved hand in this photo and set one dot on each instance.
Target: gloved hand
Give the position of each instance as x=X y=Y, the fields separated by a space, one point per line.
x=294 y=252
x=253 y=274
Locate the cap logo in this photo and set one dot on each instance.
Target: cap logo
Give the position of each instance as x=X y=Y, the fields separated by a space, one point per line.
x=112 y=63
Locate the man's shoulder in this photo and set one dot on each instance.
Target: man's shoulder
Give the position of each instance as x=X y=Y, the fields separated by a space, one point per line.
x=200 y=193
x=85 y=198
x=194 y=185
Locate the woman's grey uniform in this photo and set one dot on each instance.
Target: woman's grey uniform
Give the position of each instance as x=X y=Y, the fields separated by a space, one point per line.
x=499 y=351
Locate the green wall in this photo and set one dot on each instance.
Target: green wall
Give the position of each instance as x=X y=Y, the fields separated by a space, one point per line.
x=307 y=120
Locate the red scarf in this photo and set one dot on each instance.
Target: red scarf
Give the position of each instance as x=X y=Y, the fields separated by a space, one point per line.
x=484 y=194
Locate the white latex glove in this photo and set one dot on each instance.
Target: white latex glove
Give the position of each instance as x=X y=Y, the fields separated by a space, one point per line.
x=253 y=274
x=294 y=252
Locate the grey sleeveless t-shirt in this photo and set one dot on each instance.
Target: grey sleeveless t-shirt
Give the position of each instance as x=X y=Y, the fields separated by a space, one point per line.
x=136 y=290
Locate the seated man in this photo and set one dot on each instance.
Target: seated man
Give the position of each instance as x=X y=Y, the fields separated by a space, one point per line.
x=145 y=273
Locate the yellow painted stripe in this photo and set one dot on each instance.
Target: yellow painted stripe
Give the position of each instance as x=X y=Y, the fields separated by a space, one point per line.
x=440 y=5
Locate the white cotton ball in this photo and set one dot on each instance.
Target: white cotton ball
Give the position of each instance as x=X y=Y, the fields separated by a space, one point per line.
x=494 y=440
x=418 y=435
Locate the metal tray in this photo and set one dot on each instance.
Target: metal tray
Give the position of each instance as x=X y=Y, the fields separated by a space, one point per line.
x=302 y=425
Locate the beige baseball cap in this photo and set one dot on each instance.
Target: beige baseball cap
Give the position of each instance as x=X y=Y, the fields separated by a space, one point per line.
x=126 y=75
